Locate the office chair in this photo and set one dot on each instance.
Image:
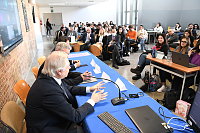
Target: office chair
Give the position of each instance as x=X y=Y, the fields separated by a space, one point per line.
x=21 y=88
x=41 y=60
x=35 y=71
x=96 y=49
x=12 y=118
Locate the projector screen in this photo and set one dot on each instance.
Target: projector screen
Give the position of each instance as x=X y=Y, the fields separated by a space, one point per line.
x=10 y=29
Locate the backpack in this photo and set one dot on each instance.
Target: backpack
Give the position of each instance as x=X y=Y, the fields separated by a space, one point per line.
x=169 y=100
x=152 y=83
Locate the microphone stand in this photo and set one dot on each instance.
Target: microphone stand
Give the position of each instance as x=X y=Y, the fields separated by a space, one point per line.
x=115 y=101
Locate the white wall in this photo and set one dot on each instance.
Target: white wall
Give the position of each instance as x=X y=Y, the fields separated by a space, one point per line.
x=101 y=12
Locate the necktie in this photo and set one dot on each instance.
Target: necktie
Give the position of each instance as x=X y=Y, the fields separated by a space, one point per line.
x=67 y=93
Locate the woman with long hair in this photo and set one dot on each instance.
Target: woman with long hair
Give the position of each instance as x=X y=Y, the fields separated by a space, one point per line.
x=143 y=61
x=194 y=55
x=183 y=48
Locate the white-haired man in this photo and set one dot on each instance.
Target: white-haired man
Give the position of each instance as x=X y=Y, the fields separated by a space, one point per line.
x=50 y=104
x=73 y=78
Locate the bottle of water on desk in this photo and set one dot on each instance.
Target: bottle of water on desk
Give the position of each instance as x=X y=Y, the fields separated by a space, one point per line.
x=169 y=56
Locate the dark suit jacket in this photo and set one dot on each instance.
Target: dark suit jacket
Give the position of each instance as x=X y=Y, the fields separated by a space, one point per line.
x=48 y=110
x=73 y=78
x=84 y=36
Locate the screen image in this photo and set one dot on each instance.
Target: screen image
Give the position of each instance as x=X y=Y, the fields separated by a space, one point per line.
x=10 y=29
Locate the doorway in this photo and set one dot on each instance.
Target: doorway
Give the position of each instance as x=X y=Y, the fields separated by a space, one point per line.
x=56 y=21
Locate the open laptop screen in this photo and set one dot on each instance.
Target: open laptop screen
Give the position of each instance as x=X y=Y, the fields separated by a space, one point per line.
x=193 y=117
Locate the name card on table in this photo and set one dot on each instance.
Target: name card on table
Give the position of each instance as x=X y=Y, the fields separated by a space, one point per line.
x=105 y=76
x=121 y=85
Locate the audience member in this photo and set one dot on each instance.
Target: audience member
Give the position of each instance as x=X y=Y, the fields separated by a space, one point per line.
x=51 y=105
x=192 y=30
x=72 y=32
x=87 y=38
x=159 y=28
x=182 y=48
x=172 y=38
x=194 y=55
x=143 y=61
x=131 y=37
x=188 y=35
x=177 y=28
x=142 y=37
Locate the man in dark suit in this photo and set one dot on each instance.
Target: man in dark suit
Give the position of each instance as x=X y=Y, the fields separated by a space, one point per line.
x=51 y=106
x=73 y=78
x=88 y=38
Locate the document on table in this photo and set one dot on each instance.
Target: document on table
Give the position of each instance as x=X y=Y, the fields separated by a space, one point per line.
x=105 y=76
x=97 y=69
x=121 y=85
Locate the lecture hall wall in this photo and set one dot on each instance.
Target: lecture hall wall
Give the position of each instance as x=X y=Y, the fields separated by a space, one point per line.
x=16 y=65
x=101 y=12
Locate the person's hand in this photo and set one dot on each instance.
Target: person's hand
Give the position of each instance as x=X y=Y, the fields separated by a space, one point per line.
x=77 y=63
x=97 y=87
x=190 y=52
x=98 y=96
x=149 y=55
x=86 y=74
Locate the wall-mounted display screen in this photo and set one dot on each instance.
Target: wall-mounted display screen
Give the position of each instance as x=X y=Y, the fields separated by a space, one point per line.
x=10 y=29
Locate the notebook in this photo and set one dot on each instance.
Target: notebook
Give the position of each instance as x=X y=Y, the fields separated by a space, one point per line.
x=181 y=59
x=146 y=120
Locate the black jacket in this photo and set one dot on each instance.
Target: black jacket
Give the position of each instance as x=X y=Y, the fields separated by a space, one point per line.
x=48 y=110
x=73 y=78
x=84 y=36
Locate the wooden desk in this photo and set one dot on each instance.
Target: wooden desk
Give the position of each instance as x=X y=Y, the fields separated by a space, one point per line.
x=76 y=46
x=186 y=72
x=96 y=49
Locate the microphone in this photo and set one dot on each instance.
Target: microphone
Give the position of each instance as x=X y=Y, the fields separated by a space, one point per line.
x=115 y=101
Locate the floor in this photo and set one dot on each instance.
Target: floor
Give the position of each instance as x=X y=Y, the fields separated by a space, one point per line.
x=46 y=45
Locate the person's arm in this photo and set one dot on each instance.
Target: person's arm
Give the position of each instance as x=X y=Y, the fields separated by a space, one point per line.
x=73 y=78
x=92 y=40
x=57 y=104
x=173 y=38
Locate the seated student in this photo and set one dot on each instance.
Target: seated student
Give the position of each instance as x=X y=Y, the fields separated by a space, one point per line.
x=73 y=78
x=72 y=32
x=188 y=35
x=60 y=33
x=100 y=37
x=194 y=55
x=192 y=30
x=121 y=39
x=131 y=37
x=115 y=47
x=88 y=38
x=160 y=46
x=182 y=48
x=172 y=38
x=142 y=37
x=159 y=28
x=51 y=106
x=81 y=28
x=177 y=28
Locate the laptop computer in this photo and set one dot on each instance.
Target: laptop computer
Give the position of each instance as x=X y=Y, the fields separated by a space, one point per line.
x=146 y=120
x=181 y=59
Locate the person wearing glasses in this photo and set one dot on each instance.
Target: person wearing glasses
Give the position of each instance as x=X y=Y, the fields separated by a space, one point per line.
x=194 y=56
x=183 y=48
